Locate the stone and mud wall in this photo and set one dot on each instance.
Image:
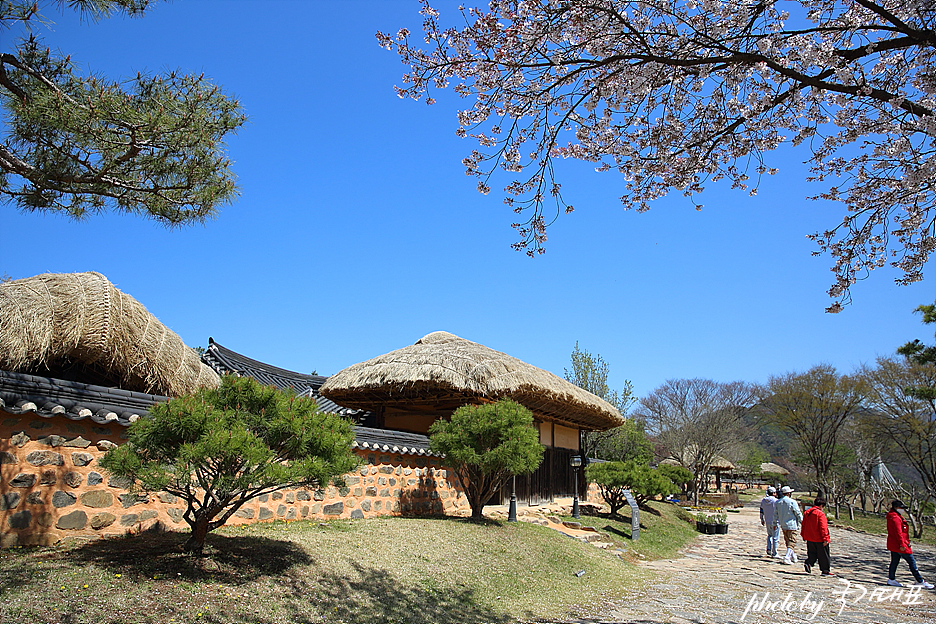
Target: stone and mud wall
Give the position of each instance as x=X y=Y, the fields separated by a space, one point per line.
x=52 y=489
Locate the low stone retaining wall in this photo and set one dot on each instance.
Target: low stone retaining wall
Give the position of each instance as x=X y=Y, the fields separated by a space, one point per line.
x=52 y=489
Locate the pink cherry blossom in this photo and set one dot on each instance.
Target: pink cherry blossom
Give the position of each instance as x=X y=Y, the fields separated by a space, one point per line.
x=673 y=95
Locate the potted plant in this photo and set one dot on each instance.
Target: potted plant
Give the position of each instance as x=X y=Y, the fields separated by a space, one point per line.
x=721 y=523
x=707 y=522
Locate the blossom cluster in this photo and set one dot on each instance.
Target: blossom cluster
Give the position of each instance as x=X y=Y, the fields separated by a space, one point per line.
x=677 y=94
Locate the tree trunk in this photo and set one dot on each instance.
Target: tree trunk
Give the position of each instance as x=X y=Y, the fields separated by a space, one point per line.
x=196 y=541
x=476 y=498
x=917 y=526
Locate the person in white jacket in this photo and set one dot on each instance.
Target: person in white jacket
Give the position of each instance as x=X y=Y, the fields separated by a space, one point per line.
x=789 y=517
x=768 y=519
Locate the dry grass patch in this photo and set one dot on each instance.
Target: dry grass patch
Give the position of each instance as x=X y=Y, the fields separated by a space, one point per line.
x=368 y=571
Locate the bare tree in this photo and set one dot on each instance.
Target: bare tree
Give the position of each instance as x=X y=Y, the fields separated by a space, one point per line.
x=696 y=420
x=590 y=372
x=814 y=406
x=904 y=412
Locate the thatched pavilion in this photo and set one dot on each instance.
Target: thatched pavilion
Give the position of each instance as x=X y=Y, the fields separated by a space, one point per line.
x=774 y=469
x=408 y=389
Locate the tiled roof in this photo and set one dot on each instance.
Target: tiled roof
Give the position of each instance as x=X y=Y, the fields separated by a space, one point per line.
x=389 y=441
x=223 y=360
x=47 y=397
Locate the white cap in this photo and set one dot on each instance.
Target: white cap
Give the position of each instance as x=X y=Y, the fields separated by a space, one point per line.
x=786 y=489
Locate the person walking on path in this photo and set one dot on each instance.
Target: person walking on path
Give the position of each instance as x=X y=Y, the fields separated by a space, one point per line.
x=768 y=518
x=898 y=543
x=789 y=517
x=816 y=535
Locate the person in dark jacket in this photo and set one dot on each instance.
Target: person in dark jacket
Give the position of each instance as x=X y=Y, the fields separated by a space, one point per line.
x=898 y=543
x=815 y=532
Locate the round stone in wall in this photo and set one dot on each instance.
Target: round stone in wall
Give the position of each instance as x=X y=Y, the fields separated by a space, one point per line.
x=63 y=499
x=73 y=521
x=101 y=520
x=72 y=479
x=35 y=498
x=45 y=458
x=9 y=500
x=19 y=520
x=97 y=498
x=120 y=482
x=129 y=519
x=23 y=480
x=82 y=459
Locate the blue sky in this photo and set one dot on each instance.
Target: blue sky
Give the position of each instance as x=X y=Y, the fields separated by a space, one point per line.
x=357 y=231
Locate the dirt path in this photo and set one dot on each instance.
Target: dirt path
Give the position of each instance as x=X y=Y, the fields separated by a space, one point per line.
x=729 y=578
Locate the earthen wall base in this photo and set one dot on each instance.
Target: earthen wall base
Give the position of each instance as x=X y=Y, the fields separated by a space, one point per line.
x=51 y=488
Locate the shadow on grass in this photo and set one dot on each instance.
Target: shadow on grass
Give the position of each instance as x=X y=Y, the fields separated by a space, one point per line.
x=485 y=521
x=368 y=595
x=616 y=531
x=227 y=559
x=19 y=570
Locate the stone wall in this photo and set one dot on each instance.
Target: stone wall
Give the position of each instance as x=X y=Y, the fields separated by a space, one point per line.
x=52 y=489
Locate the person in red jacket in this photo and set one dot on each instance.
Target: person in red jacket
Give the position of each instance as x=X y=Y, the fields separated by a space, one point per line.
x=815 y=532
x=898 y=543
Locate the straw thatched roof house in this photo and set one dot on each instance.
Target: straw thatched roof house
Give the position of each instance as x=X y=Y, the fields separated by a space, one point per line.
x=81 y=361
x=412 y=386
x=408 y=389
x=716 y=465
x=774 y=468
x=78 y=326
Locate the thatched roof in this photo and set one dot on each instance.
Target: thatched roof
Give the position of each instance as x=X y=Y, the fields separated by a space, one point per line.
x=718 y=462
x=774 y=468
x=444 y=370
x=79 y=326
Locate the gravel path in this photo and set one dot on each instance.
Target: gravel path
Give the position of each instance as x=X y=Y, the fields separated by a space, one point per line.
x=720 y=577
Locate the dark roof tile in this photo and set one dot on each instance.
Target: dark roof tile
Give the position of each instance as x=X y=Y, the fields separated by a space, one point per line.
x=47 y=397
x=389 y=441
x=224 y=361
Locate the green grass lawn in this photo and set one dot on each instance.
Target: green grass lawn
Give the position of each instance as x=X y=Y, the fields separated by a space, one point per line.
x=663 y=532
x=382 y=570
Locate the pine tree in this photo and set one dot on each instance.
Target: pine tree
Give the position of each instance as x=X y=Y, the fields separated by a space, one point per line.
x=225 y=446
x=485 y=445
x=148 y=145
